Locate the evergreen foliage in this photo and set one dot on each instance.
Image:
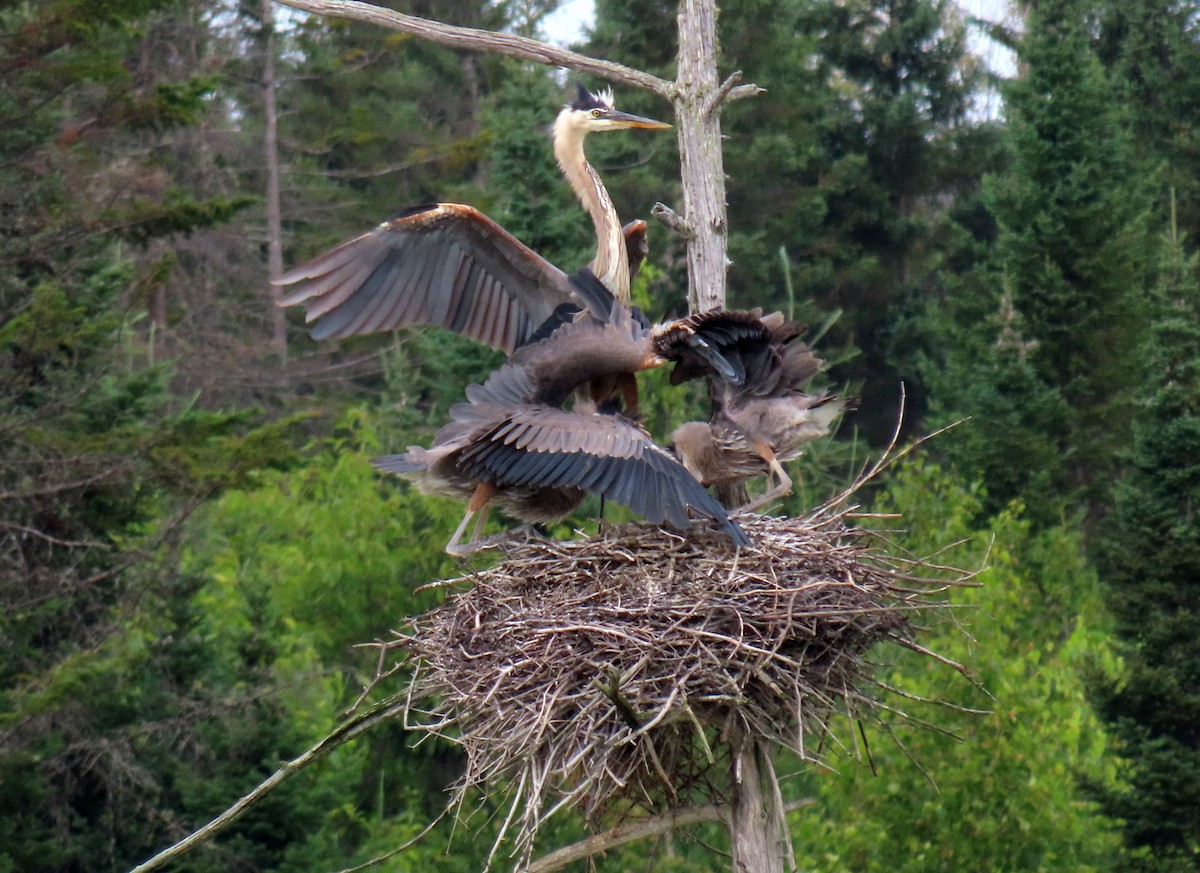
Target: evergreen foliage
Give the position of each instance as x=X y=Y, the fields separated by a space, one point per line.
x=300 y=568
x=1061 y=294
x=100 y=469
x=183 y=577
x=1150 y=555
x=532 y=200
x=847 y=163
x=1152 y=49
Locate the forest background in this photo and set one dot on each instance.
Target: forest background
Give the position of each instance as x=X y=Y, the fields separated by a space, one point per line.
x=192 y=541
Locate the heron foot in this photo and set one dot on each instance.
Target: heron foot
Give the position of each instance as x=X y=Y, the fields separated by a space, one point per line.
x=781 y=490
x=524 y=533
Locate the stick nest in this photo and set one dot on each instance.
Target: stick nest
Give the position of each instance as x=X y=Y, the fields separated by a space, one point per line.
x=617 y=668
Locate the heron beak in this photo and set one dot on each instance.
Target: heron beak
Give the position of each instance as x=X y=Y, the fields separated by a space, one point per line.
x=622 y=120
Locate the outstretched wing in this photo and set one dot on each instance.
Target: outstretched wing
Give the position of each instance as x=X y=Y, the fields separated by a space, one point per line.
x=714 y=343
x=764 y=352
x=444 y=264
x=540 y=446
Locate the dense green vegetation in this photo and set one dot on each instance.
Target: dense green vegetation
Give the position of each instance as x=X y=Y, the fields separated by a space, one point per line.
x=192 y=542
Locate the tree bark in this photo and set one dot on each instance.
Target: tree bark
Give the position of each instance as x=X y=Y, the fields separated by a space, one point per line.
x=756 y=820
x=483 y=40
x=274 y=209
x=696 y=95
x=756 y=823
x=698 y=120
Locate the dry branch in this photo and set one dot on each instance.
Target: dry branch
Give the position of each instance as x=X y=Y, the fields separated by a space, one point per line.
x=381 y=712
x=485 y=40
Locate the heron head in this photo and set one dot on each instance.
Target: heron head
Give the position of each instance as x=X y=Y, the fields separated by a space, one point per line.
x=595 y=112
x=693 y=444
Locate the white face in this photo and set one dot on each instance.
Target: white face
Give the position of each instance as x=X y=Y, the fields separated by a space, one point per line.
x=605 y=116
x=598 y=125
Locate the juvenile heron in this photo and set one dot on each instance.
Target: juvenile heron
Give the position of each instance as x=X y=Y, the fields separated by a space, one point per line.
x=449 y=265
x=514 y=444
x=539 y=462
x=764 y=421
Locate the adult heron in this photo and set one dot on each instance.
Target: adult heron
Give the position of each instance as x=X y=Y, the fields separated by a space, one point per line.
x=449 y=265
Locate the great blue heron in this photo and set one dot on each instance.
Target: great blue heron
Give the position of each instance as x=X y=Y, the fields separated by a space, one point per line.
x=765 y=420
x=606 y=346
x=449 y=265
x=539 y=462
x=512 y=441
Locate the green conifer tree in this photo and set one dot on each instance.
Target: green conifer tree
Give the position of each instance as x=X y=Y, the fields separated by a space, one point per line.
x=1150 y=555
x=1152 y=48
x=1063 y=288
x=848 y=164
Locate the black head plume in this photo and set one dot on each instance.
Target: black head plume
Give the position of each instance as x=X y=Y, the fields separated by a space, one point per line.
x=586 y=100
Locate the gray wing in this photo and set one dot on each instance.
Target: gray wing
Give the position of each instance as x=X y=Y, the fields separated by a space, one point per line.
x=446 y=264
x=544 y=447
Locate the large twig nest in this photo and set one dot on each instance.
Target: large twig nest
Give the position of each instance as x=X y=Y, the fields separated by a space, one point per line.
x=612 y=667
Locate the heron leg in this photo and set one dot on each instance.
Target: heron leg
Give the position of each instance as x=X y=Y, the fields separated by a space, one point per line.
x=475 y=507
x=783 y=485
x=454 y=547
x=629 y=393
x=522 y=533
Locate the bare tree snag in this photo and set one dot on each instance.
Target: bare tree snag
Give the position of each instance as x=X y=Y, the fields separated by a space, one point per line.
x=697 y=96
x=700 y=157
x=756 y=823
x=756 y=816
x=274 y=210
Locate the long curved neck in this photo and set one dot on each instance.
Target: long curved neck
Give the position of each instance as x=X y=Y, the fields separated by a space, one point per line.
x=611 y=264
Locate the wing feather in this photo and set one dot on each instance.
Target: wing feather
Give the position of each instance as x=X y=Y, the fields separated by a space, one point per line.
x=332 y=289
x=379 y=310
x=440 y=265
x=546 y=447
x=340 y=319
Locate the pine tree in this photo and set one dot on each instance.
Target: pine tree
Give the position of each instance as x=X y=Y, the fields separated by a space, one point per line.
x=1150 y=555
x=1063 y=287
x=1152 y=48
x=847 y=165
x=100 y=464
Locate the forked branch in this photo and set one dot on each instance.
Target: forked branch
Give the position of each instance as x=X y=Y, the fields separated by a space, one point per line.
x=652 y=826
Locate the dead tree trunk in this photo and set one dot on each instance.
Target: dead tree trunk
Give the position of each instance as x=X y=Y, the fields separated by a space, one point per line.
x=756 y=817
x=274 y=209
x=698 y=118
x=756 y=824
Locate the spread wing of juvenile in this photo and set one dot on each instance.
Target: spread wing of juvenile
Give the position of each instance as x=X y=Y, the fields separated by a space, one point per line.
x=444 y=264
x=768 y=417
x=570 y=350
x=544 y=447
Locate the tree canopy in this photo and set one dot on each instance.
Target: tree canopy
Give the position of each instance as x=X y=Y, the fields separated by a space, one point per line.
x=193 y=545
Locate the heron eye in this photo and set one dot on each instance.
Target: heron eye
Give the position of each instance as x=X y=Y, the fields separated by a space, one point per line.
x=596 y=113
